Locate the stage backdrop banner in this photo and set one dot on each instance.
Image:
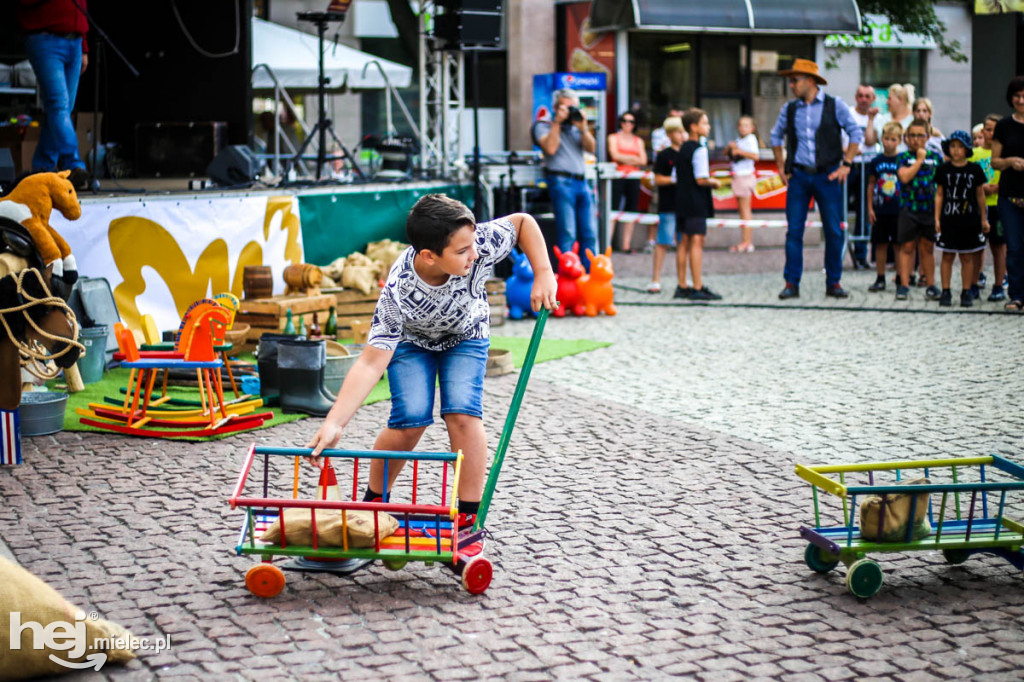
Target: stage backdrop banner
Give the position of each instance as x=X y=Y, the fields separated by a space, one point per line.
x=161 y=255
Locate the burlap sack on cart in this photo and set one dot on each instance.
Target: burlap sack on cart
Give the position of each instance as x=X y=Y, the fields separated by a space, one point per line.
x=330 y=529
x=897 y=515
x=38 y=603
x=360 y=273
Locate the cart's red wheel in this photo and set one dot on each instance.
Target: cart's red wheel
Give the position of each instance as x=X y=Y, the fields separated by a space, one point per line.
x=477 y=574
x=265 y=580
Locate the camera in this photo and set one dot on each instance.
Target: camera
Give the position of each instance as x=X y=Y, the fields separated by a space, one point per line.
x=575 y=115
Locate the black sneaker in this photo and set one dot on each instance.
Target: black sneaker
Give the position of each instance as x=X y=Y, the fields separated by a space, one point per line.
x=913 y=280
x=932 y=293
x=946 y=299
x=966 y=299
x=790 y=291
x=836 y=291
x=682 y=292
x=79 y=178
x=997 y=294
x=902 y=293
x=982 y=280
x=879 y=284
x=975 y=292
x=704 y=294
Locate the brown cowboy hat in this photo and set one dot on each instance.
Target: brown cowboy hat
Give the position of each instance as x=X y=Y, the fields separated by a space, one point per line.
x=804 y=67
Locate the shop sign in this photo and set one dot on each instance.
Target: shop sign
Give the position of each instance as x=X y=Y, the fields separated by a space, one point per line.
x=998 y=6
x=883 y=35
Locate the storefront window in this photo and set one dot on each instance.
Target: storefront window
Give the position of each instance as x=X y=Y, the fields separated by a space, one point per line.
x=662 y=73
x=883 y=67
x=768 y=55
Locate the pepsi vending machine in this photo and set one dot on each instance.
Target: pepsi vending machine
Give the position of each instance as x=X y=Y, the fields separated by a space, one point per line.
x=589 y=87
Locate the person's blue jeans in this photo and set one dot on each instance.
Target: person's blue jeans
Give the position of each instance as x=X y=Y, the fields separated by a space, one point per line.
x=573 y=203
x=828 y=194
x=57 y=63
x=1012 y=218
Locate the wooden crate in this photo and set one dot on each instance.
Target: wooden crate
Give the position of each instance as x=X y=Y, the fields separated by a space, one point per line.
x=270 y=314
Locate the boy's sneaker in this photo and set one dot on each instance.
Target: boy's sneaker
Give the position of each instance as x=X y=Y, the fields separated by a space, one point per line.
x=982 y=280
x=932 y=293
x=683 y=292
x=913 y=280
x=879 y=284
x=704 y=294
x=997 y=294
x=946 y=300
x=902 y=293
x=966 y=299
x=975 y=292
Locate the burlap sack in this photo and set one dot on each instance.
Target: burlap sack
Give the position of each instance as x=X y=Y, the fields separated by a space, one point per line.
x=335 y=269
x=362 y=278
x=897 y=515
x=385 y=251
x=329 y=528
x=37 y=602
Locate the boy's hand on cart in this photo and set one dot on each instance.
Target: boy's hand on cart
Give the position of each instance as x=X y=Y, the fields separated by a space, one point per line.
x=545 y=291
x=327 y=436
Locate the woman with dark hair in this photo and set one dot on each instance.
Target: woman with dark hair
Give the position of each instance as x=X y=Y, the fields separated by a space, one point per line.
x=629 y=153
x=1008 y=157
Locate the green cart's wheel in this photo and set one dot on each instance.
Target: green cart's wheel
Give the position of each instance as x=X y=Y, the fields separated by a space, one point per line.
x=394 y=564
x=476 y=575
x=955 y=556
x=818 y=560
x=864 y=578
x=265 y=580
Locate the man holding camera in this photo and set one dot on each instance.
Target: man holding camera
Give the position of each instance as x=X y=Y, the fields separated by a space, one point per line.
x=563 y=141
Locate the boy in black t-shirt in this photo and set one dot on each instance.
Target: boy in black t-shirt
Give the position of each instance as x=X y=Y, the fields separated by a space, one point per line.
x=665 y=180
x=960 y=216
x=884 y=198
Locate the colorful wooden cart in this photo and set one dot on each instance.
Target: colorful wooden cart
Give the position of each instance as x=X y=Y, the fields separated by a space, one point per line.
x=428 y=526
x=970 y=503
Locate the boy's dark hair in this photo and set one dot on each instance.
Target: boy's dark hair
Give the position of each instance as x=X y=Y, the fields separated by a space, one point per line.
x=1015 y=86
x=692 y=117
x=433 y=221
x=920 y=123
x=993 y=117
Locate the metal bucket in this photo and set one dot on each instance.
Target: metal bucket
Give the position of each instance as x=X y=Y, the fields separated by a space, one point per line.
x=336 y=369
x=42 y=413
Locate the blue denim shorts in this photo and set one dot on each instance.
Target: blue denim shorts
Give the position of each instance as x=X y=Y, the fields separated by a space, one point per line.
x=667 y=229
x=414 y=372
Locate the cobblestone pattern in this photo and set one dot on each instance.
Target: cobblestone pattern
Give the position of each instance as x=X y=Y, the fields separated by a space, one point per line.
x=645 y=523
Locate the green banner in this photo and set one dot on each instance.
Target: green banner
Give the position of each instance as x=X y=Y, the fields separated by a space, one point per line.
x=335 y=225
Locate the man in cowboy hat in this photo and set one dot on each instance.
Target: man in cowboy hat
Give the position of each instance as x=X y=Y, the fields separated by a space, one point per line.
x=815 y=166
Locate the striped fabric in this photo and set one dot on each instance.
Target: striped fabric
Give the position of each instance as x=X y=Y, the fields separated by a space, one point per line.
x=10 y=437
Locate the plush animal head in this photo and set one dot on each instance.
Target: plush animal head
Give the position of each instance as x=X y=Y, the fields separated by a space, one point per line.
x=569 y=265
x=601 y=265
x=58 y=192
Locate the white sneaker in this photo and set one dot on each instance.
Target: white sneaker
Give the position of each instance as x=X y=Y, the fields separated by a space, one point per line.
x=654 y=288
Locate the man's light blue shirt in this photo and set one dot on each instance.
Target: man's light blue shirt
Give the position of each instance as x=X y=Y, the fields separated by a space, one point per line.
x=806 y=120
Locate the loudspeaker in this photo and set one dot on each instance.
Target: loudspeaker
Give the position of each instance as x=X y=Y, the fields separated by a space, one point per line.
x=236 y=165
x=177 y=149
x=470 y=23
x=7 y=173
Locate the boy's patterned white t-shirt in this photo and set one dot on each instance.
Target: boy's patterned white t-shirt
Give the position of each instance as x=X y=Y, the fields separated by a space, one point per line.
x=438 y=318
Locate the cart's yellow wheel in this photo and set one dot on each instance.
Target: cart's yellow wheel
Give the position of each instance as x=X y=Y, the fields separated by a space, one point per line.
x=818 y=560
x=955 y=556
x=394 y=564
x=477 y=574
x=265 y=580
x=864 y=578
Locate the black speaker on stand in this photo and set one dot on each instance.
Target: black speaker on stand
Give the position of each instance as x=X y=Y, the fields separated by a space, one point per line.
x=234 y=166
x=470 y=23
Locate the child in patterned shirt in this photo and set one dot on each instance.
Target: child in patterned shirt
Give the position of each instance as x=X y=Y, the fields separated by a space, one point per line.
x=915 y=227
x=432 y=326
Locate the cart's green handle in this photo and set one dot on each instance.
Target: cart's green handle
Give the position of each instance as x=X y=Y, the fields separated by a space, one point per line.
x=510 y=420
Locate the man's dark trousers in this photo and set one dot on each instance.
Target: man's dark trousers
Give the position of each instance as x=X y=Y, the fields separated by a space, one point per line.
x=828 y=194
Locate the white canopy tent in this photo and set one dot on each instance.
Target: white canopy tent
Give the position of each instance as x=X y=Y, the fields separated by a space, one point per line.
x=292 y=57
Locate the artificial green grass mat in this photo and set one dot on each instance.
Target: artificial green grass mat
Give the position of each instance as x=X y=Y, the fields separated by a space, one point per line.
x=112 y=381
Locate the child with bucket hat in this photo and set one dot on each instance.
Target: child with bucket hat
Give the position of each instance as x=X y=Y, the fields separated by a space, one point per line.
x=960 y=217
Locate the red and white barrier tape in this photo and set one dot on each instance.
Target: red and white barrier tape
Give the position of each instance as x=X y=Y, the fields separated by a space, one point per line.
x=652 y=219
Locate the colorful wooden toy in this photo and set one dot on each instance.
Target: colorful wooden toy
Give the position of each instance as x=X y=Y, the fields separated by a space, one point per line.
x=570 y=269
x=961 y=507
x=596 y=289
x=428 y=528
x=519 y=286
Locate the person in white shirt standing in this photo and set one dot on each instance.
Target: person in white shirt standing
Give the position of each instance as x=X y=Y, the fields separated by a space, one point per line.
x=744 y=151
x=865 y=113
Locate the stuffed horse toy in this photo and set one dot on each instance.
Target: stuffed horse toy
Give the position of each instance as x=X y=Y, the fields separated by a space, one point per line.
x=30 y=204
x=570 y=269
x=596 y=287
x=519 y=286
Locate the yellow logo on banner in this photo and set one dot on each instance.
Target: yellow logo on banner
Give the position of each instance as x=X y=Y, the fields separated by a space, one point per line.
x=137 y=243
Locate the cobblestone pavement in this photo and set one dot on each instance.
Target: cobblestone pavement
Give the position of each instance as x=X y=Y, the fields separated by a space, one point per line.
x=644 y=527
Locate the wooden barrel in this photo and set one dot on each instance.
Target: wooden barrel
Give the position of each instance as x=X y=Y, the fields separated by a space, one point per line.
x=257 y=282
x=303 y=276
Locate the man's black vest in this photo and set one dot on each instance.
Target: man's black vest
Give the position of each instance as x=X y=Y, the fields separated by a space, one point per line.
x=828 y=141
x=692 y=200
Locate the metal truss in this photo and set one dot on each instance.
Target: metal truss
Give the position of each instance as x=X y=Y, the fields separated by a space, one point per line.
x=442 y=98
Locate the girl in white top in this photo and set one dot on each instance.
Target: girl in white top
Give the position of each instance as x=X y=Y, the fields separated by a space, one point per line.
x=744 y=151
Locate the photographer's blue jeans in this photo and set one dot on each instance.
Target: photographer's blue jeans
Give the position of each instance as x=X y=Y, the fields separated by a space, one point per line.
x=57 y=63
x=573 y=203
x=1012 y=218
x=829 y=196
